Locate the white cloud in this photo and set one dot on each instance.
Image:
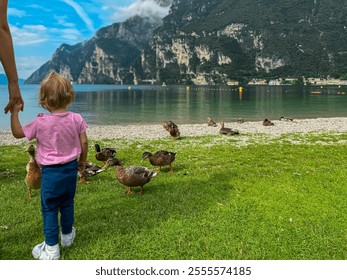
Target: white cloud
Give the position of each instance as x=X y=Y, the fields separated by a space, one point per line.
x=70 y=35
x=29 y=64
x=15 y=12
x=28 y=35
x=81 y=13
x=36 y=34
x=35 y=6
x=143 y=8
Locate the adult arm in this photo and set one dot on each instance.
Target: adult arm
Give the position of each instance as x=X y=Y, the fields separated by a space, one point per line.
x=8 y=60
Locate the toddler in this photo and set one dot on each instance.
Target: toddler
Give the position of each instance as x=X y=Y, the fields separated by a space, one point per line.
x=62 y=149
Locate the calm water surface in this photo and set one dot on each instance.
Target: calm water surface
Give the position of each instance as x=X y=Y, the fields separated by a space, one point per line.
x=109 y=104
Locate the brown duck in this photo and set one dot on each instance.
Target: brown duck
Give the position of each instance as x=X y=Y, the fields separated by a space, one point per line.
x=169 y=124
x=286 y=119
x=172 y=128
x=104 y=154
x=227 y=131
x=211 y=122
x=160 y=158
x=267 y=122
x=240 y=120
x=132 y=176
x=90 y=169
x=33 y=176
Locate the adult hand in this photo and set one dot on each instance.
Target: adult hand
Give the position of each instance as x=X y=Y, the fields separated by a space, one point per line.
x=15 y=97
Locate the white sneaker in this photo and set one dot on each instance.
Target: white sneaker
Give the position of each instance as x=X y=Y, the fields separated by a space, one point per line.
x=67 y=239
x=43 y=251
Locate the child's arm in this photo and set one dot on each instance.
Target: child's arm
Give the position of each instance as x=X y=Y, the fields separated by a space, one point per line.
x=84 y=153
x=16 y=127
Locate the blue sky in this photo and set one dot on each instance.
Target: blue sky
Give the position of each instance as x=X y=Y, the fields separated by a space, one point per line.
x=39 y=27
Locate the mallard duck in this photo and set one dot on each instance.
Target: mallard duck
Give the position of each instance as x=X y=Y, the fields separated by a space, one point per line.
x=240 y=120
x=286 y=119
x=90 y=169
x=160 y=158
x=267 y=122
x=169 y=125
x=175 y=133
x=33 y=176
x=132 y=176
x=104 y=154
x=172 y=128
x=227 y=131
x=211 y=122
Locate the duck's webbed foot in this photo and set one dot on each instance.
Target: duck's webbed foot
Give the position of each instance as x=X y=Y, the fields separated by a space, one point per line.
x=141 y=191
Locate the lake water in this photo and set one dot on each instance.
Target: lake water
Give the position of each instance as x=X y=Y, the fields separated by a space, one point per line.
x=110 y=104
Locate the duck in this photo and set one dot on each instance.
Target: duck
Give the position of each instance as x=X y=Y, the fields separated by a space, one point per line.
x=169 y=124
x=267 y=122
x=104 y=154
x=286 y=119
x=175 y=133
x=227 y=131
x=132 y=176
x=90 y=169
x=211 y=122
x=160 y=158
x=33 y=176
x=172 y=128
x=240 y=120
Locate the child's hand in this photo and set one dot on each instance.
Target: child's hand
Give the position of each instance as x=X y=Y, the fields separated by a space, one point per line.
x=81 y=165
x=16 y=108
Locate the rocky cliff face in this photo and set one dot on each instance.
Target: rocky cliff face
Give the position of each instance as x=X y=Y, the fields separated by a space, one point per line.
x=109 y=57
x=213 y=41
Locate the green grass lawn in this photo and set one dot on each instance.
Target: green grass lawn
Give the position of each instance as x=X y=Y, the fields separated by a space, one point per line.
x=272 y=199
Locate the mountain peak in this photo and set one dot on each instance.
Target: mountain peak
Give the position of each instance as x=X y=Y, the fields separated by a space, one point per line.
x=211 y=42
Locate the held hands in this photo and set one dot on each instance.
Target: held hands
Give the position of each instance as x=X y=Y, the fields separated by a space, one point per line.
x=15 y=108
x=15 y=98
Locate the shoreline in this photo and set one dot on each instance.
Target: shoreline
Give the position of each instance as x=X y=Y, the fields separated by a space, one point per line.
x=156 y=131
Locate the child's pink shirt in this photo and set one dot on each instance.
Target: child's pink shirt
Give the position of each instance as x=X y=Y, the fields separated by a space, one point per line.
x=57 y=136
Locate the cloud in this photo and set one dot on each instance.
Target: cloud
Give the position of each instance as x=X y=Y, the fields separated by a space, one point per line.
x=29 y=64
x=16 y=12
x=39 y=7
x=81 y=13
x=36 y=34
x=28 y=35
x=143 y=8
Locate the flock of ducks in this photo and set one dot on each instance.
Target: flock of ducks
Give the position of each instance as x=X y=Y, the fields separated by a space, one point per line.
x=228 y=131
x=131 y=176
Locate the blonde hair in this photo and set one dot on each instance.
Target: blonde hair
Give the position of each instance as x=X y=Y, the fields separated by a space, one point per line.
x=56 y=92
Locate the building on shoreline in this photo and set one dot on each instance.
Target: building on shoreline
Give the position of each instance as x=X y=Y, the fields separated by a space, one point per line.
x=305 y=81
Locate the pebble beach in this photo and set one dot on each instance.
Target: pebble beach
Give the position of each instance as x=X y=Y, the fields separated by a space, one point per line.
x=156 y=131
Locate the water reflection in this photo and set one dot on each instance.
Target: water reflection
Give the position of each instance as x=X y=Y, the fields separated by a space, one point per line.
x=107 y=105
x=196 y=104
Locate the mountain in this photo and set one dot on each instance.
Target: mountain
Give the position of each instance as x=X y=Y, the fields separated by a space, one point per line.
x=3 y=80
x=109 y=57
x=212 y=42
